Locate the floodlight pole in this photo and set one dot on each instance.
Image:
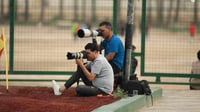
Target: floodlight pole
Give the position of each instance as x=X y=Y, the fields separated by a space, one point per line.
x=128 y=39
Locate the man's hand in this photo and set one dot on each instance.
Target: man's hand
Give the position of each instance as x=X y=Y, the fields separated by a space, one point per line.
x=90 y=76
x=79 y=62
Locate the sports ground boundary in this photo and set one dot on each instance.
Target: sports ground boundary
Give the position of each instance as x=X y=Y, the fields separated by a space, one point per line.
x=131 y=104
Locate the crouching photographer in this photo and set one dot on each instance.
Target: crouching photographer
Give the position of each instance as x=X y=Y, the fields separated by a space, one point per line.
x=97 y=74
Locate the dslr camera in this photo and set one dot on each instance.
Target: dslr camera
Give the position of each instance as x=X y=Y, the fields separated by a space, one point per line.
x=77 y=55
x=89 y=33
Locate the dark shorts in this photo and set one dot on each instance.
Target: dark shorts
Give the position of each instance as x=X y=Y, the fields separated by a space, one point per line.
x=116 y=69
x=84 y=90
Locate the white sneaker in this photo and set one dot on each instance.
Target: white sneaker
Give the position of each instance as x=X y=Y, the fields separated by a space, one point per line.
x=56 y=88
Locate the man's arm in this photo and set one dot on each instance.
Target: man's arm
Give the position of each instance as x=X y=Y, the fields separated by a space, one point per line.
x=110 y=56
x=90 y=76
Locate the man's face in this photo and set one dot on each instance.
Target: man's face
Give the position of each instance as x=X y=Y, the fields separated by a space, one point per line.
x=105 y=31
x=90 y=55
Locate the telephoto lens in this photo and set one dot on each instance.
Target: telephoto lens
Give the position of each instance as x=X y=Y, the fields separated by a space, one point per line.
x=76 y=55
x=82 y=33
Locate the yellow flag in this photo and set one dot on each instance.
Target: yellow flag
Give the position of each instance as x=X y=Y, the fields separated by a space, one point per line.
x=1 y=44
x=3 y=48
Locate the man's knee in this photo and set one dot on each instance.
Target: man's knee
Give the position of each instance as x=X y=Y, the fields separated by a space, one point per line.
x=117 y=80
x=79 y=89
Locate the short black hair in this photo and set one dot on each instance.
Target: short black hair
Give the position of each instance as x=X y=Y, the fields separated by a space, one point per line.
x=198 y=54
x=106 y=23
x=133 y=47
x=91 y=46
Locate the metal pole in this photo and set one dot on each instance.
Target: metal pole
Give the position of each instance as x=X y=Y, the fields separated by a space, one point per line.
x=115 y=16
x=128 y=39
x=143 y=37
x=12 y=22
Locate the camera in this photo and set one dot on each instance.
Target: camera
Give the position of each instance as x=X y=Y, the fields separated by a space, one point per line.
x=89 y=33
x=77 y=55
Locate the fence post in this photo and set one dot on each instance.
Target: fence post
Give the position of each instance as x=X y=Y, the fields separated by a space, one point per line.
x=142 y=65
x=12 y=21
x=115 y=16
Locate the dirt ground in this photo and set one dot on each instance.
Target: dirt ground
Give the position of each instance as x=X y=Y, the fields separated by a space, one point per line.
x=42 y=99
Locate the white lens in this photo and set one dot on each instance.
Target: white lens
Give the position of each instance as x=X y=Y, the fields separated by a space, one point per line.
x=95 y=33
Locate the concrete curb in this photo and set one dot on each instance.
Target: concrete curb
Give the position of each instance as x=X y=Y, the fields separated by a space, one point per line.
x=131 y=104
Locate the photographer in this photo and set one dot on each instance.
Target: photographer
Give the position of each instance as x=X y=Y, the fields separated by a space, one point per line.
x=97 y=75
x=113 y=49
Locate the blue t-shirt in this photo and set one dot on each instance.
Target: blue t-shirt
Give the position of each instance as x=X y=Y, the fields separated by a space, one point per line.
x=115 y=45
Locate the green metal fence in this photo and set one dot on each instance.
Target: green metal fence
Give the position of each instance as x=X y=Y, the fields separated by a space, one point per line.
x=168 y=48
x=40 y=35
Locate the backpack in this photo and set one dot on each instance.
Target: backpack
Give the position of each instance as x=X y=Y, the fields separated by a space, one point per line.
x=146 y=87
x=142 y=87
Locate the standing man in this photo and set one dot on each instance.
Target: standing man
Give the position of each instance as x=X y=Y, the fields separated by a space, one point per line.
x=192 y=31
x=97 y=75
x=195 y=70
x=113 y=49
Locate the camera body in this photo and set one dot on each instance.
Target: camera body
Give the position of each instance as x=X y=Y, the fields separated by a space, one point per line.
x=77 y=55
x=89 y=33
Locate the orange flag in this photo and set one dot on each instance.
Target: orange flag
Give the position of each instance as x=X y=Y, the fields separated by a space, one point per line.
x=1 y=45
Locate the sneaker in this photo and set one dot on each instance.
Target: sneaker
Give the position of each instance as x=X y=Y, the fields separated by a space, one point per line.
x=56 y=88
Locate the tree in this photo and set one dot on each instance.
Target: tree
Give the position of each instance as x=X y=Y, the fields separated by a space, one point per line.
x=83 y=14
x=119 y=9
x=2 y=8
x=169 y=15
x=196 y=11
x=16 y=10
x=93 y=10
x=160 y=4
x=42 y=11
x=61 y=9
x=177 y=11
x=149 y=16
x=26 y=15
x=75 y=10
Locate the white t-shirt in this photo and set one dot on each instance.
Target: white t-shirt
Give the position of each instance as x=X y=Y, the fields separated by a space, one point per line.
x=104 y=74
